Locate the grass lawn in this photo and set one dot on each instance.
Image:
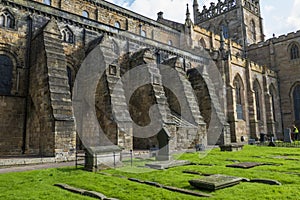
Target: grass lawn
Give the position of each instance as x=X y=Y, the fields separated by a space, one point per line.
x=284 y=166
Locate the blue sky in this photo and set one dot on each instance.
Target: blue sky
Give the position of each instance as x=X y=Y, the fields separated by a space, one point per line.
x=279 y=16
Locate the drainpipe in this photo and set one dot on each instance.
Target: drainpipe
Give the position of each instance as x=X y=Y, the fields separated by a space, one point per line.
x=27 y=74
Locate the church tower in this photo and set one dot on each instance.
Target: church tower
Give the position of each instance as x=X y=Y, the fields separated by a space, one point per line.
x=240 y=20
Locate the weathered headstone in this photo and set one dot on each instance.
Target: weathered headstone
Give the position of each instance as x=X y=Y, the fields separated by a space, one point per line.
x=287 y=135
x=215 y=182
x=102 y=157
x=163 y=144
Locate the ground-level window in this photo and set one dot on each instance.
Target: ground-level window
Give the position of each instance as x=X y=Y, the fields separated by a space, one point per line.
x=6 y=68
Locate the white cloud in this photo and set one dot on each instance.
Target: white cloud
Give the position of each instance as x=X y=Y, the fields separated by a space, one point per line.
x=294 y=19
x=173 y=9
x=269 y=8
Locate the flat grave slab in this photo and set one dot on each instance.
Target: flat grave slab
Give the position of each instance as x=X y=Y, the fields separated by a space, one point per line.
x=167 y=164
x=215 y=182
x=244 y=165
x=232 y=147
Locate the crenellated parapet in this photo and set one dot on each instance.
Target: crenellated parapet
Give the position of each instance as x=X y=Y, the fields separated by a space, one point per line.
x=252 y=5
x=215 y=10
x=279 y=39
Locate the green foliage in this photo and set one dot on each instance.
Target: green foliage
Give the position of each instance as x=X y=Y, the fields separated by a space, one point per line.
x=282 y=164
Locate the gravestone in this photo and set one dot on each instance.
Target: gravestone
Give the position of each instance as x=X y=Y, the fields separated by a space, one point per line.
x=287 y=135
x=215 y=182
x=163 y=138
x=102 y=157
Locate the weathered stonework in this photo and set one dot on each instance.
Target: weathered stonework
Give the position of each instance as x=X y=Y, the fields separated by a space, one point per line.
x=226 y=91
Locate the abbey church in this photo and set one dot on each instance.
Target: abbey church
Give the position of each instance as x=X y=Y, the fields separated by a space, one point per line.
x=212 y=79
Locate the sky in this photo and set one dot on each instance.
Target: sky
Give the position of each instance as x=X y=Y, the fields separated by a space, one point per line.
x=279 y=16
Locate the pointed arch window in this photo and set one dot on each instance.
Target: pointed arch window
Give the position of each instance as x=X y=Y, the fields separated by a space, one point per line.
x=7 y=19
x=67 y=35
x=225 y=31
x=252 y=30
x=272 y=93
x=238 y=99
x=296 y=98
x=6 y=68
x=257 y=94
x=294 y=52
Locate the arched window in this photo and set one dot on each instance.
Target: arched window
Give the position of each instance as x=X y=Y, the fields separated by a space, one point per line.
x=170 y=42
x=239 y=98
x=225 y=31
x=273 y=99
x=294 y=52
x=117 y=25
x=6 y=68
x=143 y=33
x=47 y=2
x=85 y=14
x=67 y=35
x=7 y=19
x=296 y=97
x=252 y=30
x=257 y=93
x=202 y=43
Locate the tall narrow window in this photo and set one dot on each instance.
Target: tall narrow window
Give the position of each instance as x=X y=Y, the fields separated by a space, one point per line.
x=70 y=78
x=257 y=100
x=170 y=42
x=252 y=30
x=273 y=106
x=294 y=52
x=296 y=96
x=6 y=68
x=225 y=31
x=238 y=99
x=7 y=19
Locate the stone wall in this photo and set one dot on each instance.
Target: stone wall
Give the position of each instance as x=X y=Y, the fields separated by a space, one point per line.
x=12 y=125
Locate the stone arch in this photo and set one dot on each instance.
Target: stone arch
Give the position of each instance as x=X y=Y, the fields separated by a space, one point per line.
x=202 y=94
x=110 y=123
